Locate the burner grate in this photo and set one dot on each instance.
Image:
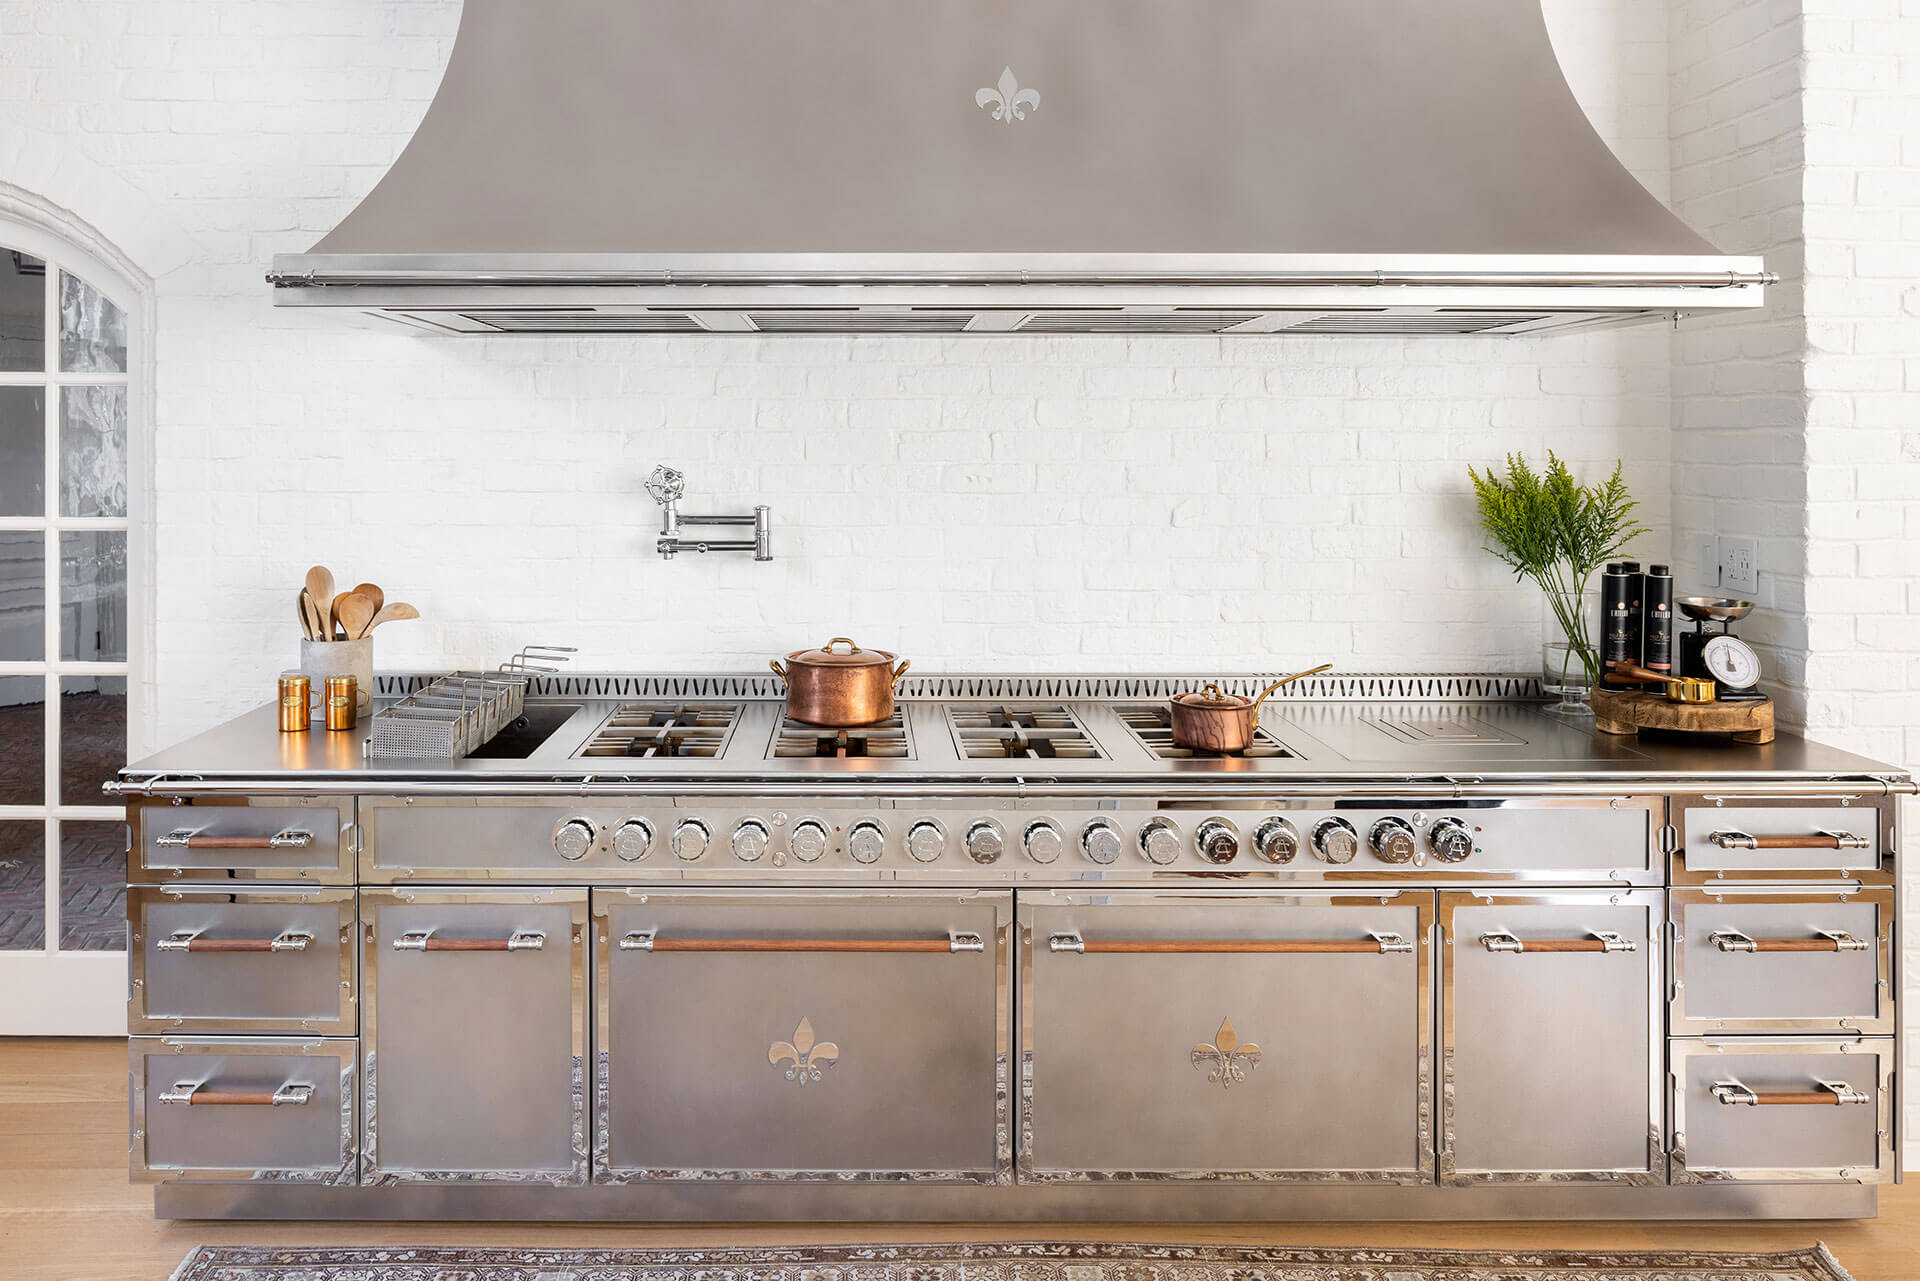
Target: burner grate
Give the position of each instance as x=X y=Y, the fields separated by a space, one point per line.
x=886 y=740
x=665 y=728
x=1152 y=724
x=1009 y=731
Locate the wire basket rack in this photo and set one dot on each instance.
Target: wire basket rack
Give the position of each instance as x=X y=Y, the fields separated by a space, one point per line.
x=460 y=712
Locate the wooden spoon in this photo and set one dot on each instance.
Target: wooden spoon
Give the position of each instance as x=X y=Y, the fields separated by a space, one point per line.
x=353 y=612
x=300 y=609
x=373 y=593
x=310 y=615
x=397 y=612
x=320 y=587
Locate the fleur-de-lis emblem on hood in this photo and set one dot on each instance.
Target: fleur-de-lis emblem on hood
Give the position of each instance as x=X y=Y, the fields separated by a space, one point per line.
x=1226 y=1060
x=1008 y=100
x=806 y=1059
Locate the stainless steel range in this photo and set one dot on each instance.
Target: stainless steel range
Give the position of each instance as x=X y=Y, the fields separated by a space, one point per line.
x=659 y=952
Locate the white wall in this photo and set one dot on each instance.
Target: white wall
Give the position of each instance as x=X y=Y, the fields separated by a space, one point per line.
x=1017 y=503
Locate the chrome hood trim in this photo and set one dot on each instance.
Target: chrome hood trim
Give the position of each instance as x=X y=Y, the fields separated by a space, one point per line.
x=1009 y=166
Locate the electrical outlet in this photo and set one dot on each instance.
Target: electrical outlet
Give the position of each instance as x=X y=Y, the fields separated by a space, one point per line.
x=1706 y=559
x=1740 y=564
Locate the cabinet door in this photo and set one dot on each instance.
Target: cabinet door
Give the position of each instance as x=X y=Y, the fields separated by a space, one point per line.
x=1226 y=1035
x=475 y=1036
x=803 y=1035
x=241 y=959
x=1550 y=1045
x=277 y=1109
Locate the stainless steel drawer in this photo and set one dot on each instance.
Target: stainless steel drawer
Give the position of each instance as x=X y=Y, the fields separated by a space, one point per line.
x=773 y=1036
x=1783 y=1111
x=242 y=960
x=1749 y=959
x=476 y=1035
x=239 y=1109
x=250 y=838
x=1222 y=1035
x=1753 y=838
x=1550 y=1037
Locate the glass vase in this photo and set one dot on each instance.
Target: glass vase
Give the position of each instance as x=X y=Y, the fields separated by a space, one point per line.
x=1562 y=673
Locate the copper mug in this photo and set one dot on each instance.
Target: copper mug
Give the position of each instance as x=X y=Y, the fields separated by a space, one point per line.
x=296 y=703
x=343 y=702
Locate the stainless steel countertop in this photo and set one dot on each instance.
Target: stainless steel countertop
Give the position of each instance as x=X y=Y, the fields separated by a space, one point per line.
x=1478 y=745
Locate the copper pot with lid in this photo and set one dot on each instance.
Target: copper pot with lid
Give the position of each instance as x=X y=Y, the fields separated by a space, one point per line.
x=839 y=688
x=1210 y=720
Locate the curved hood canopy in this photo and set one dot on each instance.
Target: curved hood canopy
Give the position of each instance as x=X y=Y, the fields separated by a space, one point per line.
x=1027 y=166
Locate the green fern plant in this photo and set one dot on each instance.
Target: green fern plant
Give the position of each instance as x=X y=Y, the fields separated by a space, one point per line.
x=1557 y=532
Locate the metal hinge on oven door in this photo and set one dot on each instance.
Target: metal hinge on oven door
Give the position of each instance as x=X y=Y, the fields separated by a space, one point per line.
x=1669 y=838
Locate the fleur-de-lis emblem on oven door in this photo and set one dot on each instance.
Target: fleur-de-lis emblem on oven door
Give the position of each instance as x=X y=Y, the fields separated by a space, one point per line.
x=1008 y=101
x=806 y=1059
x=1226 y=1061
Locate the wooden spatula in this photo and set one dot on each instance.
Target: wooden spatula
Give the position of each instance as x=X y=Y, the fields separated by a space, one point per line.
x=397 y=612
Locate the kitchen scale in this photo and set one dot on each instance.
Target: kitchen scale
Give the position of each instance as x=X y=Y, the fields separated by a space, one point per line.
x=1720 y=656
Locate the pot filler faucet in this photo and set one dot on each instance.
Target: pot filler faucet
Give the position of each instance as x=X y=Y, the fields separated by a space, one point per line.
x=667 y=485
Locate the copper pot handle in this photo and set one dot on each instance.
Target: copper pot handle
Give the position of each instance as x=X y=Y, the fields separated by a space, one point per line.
x=851 y=647
x=1288 y=680
x=901 y=670
x=779 y=671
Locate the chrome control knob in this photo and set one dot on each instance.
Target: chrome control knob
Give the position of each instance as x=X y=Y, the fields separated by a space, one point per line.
x=1160 y=840
x=1335 y=841
x=1276 y=841
x=1219 y=841
x=1450 y=840
x=926 y=840
x=750 y=838
x=633 y=839
x=808 y=841
x=985 y=841
x=1043 y=841
x=1393 y=840
x=866 y=842
x=1100 y=841
x=573 y=838
x=690 y=839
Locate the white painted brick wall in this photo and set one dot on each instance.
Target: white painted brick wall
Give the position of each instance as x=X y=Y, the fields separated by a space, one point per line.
x=1013 y=503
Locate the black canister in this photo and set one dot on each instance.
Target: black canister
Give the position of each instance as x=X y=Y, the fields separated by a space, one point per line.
x=1636 y=591
x=1615 y=617
x=1656 y=619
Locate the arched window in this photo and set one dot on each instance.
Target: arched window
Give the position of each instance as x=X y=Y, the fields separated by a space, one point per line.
x=69 y=374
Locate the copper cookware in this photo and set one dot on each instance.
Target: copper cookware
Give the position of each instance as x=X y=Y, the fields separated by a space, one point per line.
x=840 y=688
x=1211 y=721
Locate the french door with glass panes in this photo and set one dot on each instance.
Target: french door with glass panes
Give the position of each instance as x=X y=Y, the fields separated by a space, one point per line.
x=65 y=638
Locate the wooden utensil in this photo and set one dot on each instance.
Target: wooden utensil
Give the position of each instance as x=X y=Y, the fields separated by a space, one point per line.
x=373 y=593
x=320 y=587
x=310 y=617
x=300 y=611
x=397 y=612
x=353 y=612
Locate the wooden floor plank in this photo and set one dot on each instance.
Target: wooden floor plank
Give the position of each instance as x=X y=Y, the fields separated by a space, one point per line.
x=69 y=1213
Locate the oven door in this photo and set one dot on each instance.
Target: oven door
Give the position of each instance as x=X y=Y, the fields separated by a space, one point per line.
x=791 y=1035
x=1226 y=1035
x=1550 y=1040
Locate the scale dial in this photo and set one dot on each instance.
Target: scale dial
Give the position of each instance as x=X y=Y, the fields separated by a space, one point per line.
x=1732 y=662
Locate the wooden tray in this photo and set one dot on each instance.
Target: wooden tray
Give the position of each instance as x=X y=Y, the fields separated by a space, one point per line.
x=1628 y=711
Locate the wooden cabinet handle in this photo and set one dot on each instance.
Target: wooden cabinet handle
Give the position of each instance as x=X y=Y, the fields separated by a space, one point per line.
x=1830 y=1094
x=195 y=941
x=1827 y=941
x=650 y=941
x=186 y=838
x=1738 y=840
x=1596 y=941
x=195 y=1094
x=428 y=941
x=1377 y=943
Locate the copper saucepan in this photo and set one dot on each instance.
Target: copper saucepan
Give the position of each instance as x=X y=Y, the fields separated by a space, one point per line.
x=1211 y=721
x=839 y=688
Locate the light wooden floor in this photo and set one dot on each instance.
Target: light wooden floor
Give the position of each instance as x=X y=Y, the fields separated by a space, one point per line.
x=68 y=1213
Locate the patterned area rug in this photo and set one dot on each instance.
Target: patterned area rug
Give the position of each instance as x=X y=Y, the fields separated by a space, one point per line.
x=1027 y=1261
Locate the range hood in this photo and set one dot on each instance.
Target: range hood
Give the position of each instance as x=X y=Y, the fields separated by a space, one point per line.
x=1009 y=166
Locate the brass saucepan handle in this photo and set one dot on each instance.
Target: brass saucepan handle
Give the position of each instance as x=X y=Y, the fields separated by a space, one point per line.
x=650 y=941
x=1596 y=941
x=842 y=640
x=1825 y=941
x=1288 y=680
x=1830 y=1094
x=778 y=670
x=1737 y=840
x=196 y=1094
x=901 y=670
x=1377 y=943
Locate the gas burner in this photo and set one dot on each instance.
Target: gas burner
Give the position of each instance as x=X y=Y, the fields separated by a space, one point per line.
x=663 y=728
x=886 y=740
x=1152 y=724
x=1019 y=731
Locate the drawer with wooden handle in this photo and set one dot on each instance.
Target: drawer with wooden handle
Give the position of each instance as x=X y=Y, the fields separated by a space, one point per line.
x=1736 y=838
x=265 y=838
x=1768 y=1110
x=1758 y=959
x=244 y=1108
x=272 y=960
